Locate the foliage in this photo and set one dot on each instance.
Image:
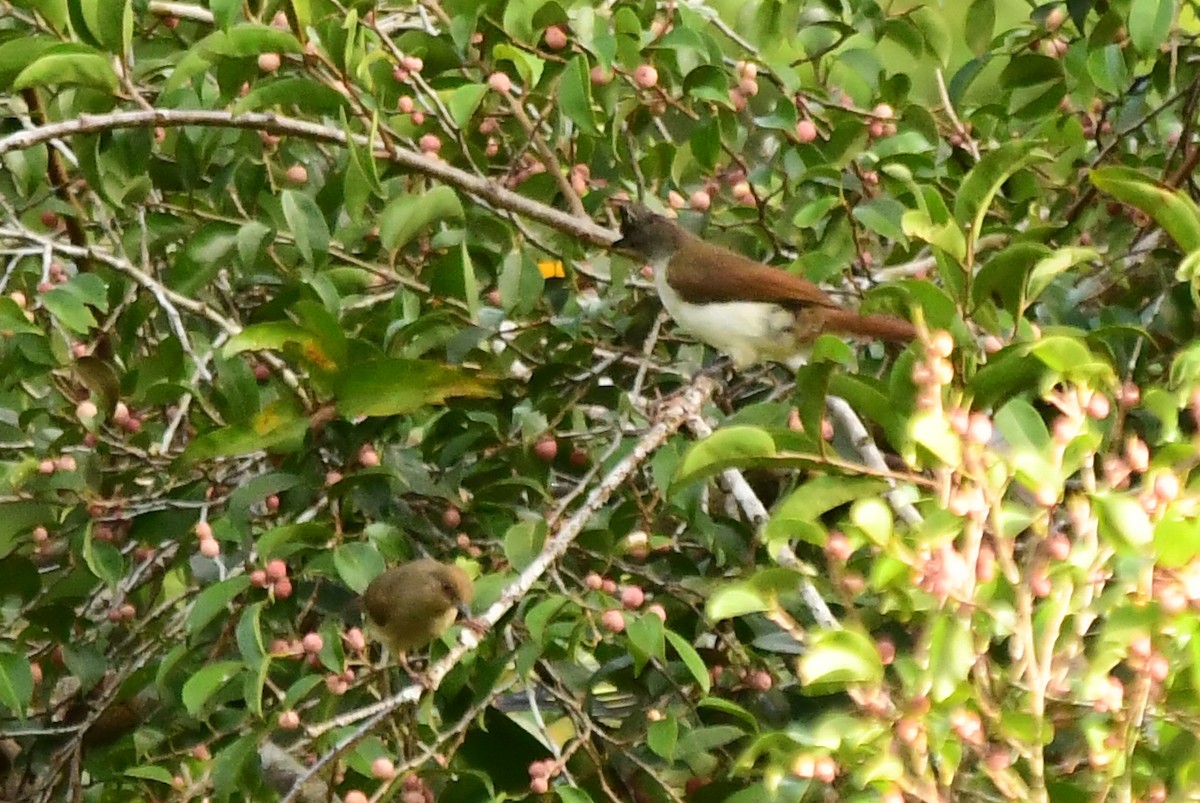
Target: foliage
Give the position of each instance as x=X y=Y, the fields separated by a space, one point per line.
x=295 y=291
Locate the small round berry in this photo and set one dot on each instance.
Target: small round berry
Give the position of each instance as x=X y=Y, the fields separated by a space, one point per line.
x=355 y=796
x=356 y=640
x=383 y=768
x=86 y=410
x=290 y=720
x=203 y=530
x=806 y=131
x=412 y=63
x=312 y=643
x=593 y=581
x=658 y=610
x=556 y=37
x=210 y=548
x=613 y=620
x=368 y=457
x=546 y=448
x=700 y=201
x=269 y=62
x=632 y=597
x=430 y=143
x=283 y=588
x=645 y=76
x=500 y=82
x=600 y=76
x=258 y=578
x=297 y=174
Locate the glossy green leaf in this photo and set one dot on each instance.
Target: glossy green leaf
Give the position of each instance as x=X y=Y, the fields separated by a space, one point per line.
x=691 y=659
x=729 y=447
x=16 y=683
x=950 y=654
x=207 y=681
x=357 y=565
x=307 y=225
x=839 y=657
x=1149 y=23
x=395 y=386
x=1175 y=211
x=214 y=601
x=575 y=95
x=55 y=68
x=406 y=214
x=980 y=23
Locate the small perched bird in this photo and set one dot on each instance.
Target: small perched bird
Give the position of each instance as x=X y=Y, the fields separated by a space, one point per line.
x=410 y=605
x=738 y=306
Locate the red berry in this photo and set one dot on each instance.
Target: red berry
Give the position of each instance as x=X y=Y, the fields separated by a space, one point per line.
x=546 y=448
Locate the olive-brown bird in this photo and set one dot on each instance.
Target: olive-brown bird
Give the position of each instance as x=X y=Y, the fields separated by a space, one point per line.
x=410 y=605
x=738 y=306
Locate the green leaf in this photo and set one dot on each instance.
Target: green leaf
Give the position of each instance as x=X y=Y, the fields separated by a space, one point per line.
x=16 y=683
x=307 y=225
x=946 y=236
x=110 y=21
x=103 y=559
x=950 y=654
x=12 y=319
x=575 y=96
x=81 y=69
x=246 y=40
x=883 y=216
x=1123 y=521
x=1022 y=426
x=278 y=426
x=1172 y=209
x=18 y=53
x=214 y=601
x=980 y=23
x=691 y=659
x=1058 y=262
x=979 y=187
x=839 y=657
x=1149 y=23
x=207 y=681
x=1107 y=69
x=70 y=311
x=1177 y=540
x=820 y=495
x=874 y=518
x=529 y=66
x=663 y=736
x=358 y=563
x=646 y=640
x=728 y=447
x=394 y=386
x=462 y=102
x=407 y=214
x=752 y=595
x=523 y=541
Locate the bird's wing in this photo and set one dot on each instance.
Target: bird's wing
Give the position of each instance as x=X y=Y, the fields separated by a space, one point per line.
x=738 y=278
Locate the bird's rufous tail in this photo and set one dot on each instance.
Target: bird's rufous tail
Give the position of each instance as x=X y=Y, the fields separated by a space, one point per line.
x=878 y=327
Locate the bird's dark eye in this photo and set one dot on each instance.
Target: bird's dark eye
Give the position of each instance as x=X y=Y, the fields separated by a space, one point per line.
x=449 y=590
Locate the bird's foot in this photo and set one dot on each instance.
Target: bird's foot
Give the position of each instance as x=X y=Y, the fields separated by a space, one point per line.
x=476 y=626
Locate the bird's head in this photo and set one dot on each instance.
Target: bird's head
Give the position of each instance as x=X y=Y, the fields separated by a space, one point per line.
x=647 y=234
x=452 y=588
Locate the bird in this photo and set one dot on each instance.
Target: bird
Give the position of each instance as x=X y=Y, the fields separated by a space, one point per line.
x=747 y=310
x=409 y=605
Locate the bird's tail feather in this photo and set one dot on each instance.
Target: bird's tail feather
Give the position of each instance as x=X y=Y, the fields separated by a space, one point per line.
x=880 y=327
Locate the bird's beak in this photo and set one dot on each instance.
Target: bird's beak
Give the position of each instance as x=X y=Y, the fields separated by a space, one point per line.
x=464 y=610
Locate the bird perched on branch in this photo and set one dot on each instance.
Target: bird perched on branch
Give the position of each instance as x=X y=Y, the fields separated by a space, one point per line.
x=410 y=605
x=742 y=308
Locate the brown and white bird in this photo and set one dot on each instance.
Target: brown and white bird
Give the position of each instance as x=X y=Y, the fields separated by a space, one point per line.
x=742 y=308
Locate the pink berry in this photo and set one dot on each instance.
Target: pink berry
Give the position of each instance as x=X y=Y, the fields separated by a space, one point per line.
x=500 y=82
x=368 y=457
x=412 y=63
x=600 y=76
x=546 y=448
x=632 y=597
x=356 y=640
x=290 y=720
x=312 y=643
x=276 y=570
x=430 y=143
x=613 y=620
x=355 y=796
x=451 y=518
x=406 y=104
x=806 y=131
x=838 y=547
x=258 y=578
x=297 y=174
x=539 y=786
x=210 y=548
x=383 y=768
x=883 y=112
x=556 y=37
x=86 y=410
x=658 y=610
x=203 y=530
x=593 y=581
x=283 y=588
x=700 y=201
x=46 y=466
x=269 y=62
x=645 y=76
